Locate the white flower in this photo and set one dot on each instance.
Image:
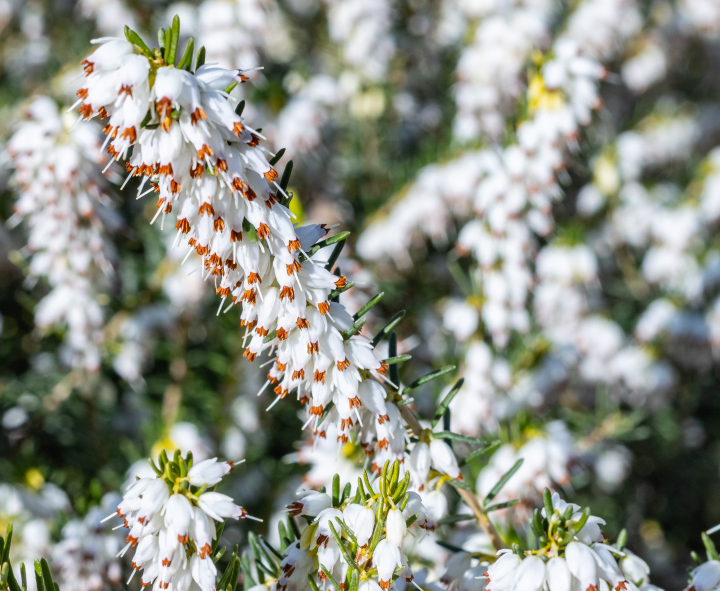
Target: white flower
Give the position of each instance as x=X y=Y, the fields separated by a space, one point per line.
x=209 y=472
x=173 y=533
x=419 y=463
x=63 y=202
x=395 y=527
x=443 y=459
x=706 y=577
x=361 y=520
x=207 y=166
x=387 y=558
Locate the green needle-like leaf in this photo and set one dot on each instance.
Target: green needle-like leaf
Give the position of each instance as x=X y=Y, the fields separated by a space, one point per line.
x=445 y=404
x=498 y=487
x=429 y=378
x=366 y=308
x=387 y=329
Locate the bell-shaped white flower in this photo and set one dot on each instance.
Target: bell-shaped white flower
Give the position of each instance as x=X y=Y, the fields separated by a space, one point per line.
x=558 y=575
x=361 y=520
x=706 y=577
x=443 y=459
x=582 y=564
x=209 y=472
x=530 y=575
x=396 y=527
x=419 y=463
x=635 y=569
x=387 y=557
x=220 y=506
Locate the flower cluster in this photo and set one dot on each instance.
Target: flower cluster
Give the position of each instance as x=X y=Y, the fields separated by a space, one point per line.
x=353 y=536
x=64 y=202
x=171 y=519
x=205 y=163
x=572 y=554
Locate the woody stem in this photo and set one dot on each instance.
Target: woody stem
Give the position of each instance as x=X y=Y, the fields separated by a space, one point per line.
x=466 y=495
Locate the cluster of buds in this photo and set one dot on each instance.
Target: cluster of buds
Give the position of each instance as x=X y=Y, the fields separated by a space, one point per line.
x=353 y=541
x=207 y=165
x=171 y=521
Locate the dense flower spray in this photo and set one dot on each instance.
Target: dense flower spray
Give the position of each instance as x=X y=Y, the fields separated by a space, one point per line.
x=203 y=162
x=64 y=202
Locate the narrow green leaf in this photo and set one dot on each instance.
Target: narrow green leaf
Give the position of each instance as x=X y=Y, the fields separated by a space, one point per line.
x=710 y=549
x=186 y=60
x=459 y=484
x=459 y=437
x=387 y=329
x=279 y=154
x=172 y=44
x=39 y=577
x=354 y=329
x=340 y=290
x=503 y=480
x=504 y=505
x=240 y=108
x=270 y=547
x=445 y=404
x=547 y=503
x=313 y=584
x=449 y=546
x=354 y=580
x=346 y=493
x=328 y=574
x=335 y=254
x=347 y=531
x=336 y=491
x=480 y=452
x=328 y=241
x=219 y=554
x=137 y=41
x=366 y=308
x=47 y=576
x=23 y=577
x=5 y=552
x=200 y=58
x=343 y=549
x=621 y=540
x=397 y=359
x=428 y=378
x=162 y=40
x=287 y=173
x=405 y=401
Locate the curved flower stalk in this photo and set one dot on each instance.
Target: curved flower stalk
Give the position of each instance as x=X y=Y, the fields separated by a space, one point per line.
x=171 y=522
x=64 y=202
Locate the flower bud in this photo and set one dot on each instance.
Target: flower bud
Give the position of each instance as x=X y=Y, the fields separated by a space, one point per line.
x=386 y=558
x=420 y=463
x=443 y=458
x=395 y=527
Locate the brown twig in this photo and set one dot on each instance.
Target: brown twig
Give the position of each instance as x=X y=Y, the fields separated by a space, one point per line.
x=466 y=495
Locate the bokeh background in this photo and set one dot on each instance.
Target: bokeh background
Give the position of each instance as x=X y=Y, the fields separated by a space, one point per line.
x=553 y=236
